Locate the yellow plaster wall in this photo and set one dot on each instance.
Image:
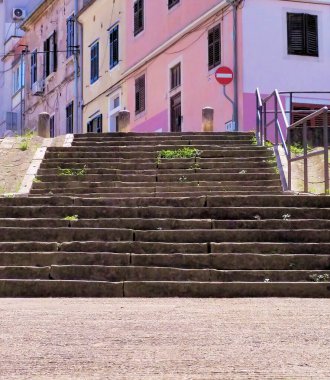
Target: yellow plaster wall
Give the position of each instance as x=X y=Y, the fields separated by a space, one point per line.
x=96 y=21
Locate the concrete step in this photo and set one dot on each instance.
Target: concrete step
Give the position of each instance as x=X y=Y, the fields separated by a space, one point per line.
x=160 y=142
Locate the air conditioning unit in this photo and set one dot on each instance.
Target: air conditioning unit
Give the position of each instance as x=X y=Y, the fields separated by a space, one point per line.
x=18 y=14
x=38 y=88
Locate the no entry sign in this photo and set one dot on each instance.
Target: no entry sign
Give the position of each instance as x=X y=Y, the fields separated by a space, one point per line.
x=224 y=75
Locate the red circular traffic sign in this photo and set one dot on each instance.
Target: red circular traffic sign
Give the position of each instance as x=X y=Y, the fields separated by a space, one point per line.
x=224 y=75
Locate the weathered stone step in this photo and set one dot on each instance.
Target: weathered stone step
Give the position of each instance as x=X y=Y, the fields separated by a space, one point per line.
x=154 y=171
x=229 y=235
x=160 y=142
x=130 y=223
x=148 y=182
x=155 y=148
x=233 y=261
x=62 y=288
x=150 y=191
x=221 y=289
x=218 y=153
x=230 y=213
x=60 y=234
x=292 y=248
x=157 y=177
x=242 y=261
x=142 y=273
x=42 y=259
x=142 y=164
x=165 y=135
x=171 y=194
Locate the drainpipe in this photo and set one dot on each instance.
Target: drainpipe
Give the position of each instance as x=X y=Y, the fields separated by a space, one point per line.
x=234 y=4
x=76 y=128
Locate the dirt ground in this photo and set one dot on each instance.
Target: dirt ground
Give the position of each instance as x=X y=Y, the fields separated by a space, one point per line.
x=14 y=161
x=164 y=339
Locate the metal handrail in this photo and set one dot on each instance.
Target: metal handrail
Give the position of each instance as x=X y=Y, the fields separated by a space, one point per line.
x=308 y=117
x=263 y=124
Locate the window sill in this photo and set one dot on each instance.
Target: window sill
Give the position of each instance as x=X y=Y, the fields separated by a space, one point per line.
x=95 y=81
x=174 y=7
x=50 y=77
x=139 y=34
x=140 y=115
x=214 y=69
x=111 y=69
x=69 y=60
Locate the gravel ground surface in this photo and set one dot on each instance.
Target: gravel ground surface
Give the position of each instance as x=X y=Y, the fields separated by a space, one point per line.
x=164 y=339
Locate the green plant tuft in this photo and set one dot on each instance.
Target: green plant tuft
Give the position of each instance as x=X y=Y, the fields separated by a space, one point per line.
x=186 y=152
x=71 y=218
x=71 y=172
x=319 y=277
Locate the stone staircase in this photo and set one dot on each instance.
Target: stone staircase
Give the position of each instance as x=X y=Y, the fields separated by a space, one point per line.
x=106 y=217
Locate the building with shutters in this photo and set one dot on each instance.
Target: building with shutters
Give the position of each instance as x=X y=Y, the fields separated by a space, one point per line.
x=103 y=24
x=49 y=66
x=12 y=14
x=157 y=60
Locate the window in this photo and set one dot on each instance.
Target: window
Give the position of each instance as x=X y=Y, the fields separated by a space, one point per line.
x=214 y=47
x=52 y=126
x=69 y=118
x=140 y=94
x=171 y=3
x=34 y=67
x=138 y=16
x=50 y=55
x=95 y=125
x=94 y=62
x=69 y=36
x=114 y=46
x=18 y=78
x=302 y=34
x=176 y=76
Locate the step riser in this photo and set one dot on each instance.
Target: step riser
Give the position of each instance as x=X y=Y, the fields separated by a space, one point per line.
x=15 y=288
x=130 y=273
x=222 y=261
x=93 y=212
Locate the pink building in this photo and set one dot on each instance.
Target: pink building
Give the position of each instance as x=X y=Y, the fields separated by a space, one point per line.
x=173 y=48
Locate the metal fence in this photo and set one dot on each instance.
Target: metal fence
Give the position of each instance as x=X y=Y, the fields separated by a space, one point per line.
x=272 y=119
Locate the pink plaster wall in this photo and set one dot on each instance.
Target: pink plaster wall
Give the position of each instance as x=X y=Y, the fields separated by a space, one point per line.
x=160 y=24
x=198 y=85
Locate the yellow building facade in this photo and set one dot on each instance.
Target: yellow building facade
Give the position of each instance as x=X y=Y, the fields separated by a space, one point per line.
x=103 y=25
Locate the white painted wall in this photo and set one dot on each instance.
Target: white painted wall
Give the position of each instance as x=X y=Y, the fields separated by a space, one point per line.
x=266 y=63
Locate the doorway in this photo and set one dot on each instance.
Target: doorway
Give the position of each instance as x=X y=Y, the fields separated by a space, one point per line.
x=176 y=117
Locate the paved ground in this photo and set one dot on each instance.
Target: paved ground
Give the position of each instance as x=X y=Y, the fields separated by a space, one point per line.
x=164 y=339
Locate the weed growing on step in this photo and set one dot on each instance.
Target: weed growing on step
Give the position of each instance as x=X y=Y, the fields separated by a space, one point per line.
x=319 y=277
x=183 y=179
x=254 y=140
x=186 y=152
x=242 y=172
x=71 y=172
x=266 y=280
x=257 y=217
x=269 y=144
x=276 y=171
x=36 y=180
x=25 y=142
x=286 y=216
x=71 y=218
x=195 y=166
